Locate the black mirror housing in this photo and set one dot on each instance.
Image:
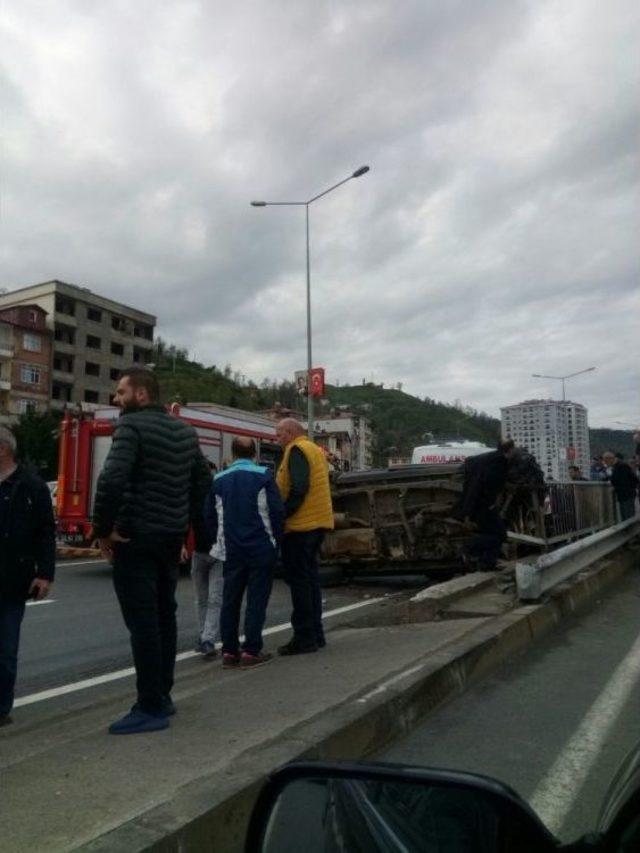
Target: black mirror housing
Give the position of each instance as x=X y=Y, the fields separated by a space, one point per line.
x=383 y=808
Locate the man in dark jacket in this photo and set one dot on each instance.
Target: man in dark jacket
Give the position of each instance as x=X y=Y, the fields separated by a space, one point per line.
x=244 y=515
x=153 y=484
x=624 y=482
x=485 y=477
x=27 y=557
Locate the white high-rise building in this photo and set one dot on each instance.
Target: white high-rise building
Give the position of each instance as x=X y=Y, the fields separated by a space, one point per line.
x=555 y=431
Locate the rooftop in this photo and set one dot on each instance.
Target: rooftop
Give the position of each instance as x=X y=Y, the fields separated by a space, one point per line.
x=75 y=291
x=548 y=402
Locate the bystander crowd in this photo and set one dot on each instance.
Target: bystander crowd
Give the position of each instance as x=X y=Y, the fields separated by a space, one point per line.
x=244 y=516
x=152 y=486
x=206 y=574
x=27 y=557
x=624 y=482
x=303 y=480
x=485 y=476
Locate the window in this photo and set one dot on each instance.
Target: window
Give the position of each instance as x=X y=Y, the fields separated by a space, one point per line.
x=63 y=362
x=33 y=317
x=61 y=392
x=114 y=373
x=91 y=396
x=141 y=356
x=119 y=324
x=117 y=349
x=94 y=315
x=93 y=342
x=92 y=369
x=65 y=306
x=25 y=406
x=64 y=334
x=30 y=373
x=30 y=342
x=141 y=331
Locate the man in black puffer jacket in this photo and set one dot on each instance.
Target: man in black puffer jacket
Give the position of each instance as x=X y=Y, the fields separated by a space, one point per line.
x=27 y=557
x=153 y=485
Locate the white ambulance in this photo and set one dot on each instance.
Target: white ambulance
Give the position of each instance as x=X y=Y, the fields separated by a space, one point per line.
x=447 y=452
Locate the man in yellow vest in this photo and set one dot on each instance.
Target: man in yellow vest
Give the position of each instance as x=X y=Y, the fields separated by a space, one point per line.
x=303 y=480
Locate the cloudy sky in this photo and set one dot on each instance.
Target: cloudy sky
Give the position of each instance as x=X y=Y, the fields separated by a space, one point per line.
x=495 y=236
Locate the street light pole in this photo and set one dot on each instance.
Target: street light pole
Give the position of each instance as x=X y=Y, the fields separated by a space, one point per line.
x=309 y=355
x=358 y=172
x=563 y=378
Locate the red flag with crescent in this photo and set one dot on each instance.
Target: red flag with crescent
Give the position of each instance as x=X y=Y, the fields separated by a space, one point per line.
x=317 y=381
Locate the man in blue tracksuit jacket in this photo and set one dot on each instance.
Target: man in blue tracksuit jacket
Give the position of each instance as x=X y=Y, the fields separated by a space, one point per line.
x=244 y=516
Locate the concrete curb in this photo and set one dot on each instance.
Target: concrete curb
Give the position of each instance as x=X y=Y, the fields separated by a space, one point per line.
x=211 y=813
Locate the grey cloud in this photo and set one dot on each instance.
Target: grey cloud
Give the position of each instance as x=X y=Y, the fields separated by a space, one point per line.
x=495 y=231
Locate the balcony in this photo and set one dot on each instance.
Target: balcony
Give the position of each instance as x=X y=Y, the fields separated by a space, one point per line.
x=143 y=332
x=65 y=376
x=6 y=350
x=65 y=348
x=5 y=385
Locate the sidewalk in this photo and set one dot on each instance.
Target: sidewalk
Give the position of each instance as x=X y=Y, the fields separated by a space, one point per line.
x=66 y=783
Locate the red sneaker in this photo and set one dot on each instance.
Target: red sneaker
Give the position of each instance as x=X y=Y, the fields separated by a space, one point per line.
x=230 y=661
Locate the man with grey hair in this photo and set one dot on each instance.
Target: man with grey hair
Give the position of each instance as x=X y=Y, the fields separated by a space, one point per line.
x=27 y=557
x=303 y=480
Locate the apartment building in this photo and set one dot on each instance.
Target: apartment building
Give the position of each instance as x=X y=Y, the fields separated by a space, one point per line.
x=25 y=361
x=93 y=338
x=347 y=436
x=555 y=431
x=343 y=434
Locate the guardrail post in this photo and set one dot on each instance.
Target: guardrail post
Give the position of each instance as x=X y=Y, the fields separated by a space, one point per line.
x=529 y=581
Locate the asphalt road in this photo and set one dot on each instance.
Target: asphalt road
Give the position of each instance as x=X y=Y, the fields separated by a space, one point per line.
x=555 y=723
x=80 y=633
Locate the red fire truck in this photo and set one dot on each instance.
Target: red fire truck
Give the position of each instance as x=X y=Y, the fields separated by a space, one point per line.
x=85 y=439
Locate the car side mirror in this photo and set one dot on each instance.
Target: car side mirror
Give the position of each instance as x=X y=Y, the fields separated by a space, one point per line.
x=382 y=808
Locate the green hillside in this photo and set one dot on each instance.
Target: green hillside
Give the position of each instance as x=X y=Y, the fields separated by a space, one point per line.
x=400 y=421
x=618 y=440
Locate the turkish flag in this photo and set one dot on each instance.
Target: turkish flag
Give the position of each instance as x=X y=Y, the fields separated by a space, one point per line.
x=317 y=381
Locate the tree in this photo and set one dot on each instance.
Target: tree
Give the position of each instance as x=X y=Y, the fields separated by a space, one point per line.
x=37 y=437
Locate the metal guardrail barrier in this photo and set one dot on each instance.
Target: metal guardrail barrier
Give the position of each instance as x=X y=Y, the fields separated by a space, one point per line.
x=561 y=512
x=535 y=578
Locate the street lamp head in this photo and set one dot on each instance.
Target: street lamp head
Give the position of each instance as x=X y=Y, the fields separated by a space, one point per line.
x=361 y=171
x=258 y=204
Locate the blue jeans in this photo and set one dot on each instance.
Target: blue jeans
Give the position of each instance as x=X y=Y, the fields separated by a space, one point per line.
x=255 y=576
x=11 y=614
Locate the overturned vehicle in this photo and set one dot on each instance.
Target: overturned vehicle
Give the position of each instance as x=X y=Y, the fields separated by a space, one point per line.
x=402 y=519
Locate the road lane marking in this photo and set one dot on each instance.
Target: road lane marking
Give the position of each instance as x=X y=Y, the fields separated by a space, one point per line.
x=80 y=563
x=76 y=686
x=556 y=794
x=44 y=601
x=382 y=688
